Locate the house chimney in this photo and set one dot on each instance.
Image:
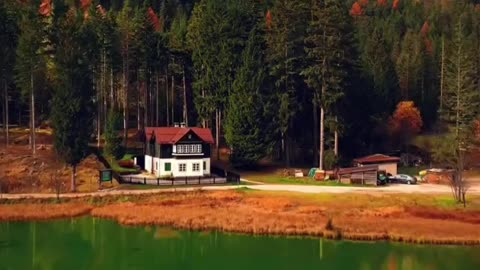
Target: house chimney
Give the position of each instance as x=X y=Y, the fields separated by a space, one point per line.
x=182 y=124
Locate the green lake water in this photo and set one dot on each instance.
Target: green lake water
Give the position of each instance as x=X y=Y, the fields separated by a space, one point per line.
x=96 y=244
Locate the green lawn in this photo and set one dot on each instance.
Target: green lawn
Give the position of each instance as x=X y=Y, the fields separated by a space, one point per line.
x=277 y=179
x=413 y=171
x=117 y=168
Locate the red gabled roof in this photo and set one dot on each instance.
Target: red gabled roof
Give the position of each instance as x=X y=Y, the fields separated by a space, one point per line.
x=377 y=158
x=171 y=135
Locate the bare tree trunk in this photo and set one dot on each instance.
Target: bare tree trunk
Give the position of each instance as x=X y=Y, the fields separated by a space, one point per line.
x=336 y=138
x=442 y=74
x=185 y=110
x=315 y=132
x=204 y=121
x=322 y=137
x=99 y=112
x=217 y=132
x=6 y=115
x=167 y=98
x=139 y=98
x=73 y=187
x=32 y=115
x=157 y=103
x=173 y=99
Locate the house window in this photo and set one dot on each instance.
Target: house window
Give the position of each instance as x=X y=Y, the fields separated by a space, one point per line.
x=196 y=167
x=204 y=165
x=182 y=167
x=168 y=166
x=188 y=149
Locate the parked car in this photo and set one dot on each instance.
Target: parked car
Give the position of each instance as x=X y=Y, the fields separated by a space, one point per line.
x=404 y=179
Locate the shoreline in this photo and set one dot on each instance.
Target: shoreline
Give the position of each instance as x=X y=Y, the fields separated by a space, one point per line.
x=251 y=213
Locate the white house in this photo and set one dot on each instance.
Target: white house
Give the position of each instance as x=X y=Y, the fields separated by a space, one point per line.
x=178 y=151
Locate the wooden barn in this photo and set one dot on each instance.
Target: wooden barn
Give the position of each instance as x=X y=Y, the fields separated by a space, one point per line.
x=365 y=175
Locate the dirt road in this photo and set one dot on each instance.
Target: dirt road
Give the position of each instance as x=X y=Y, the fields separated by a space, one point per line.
x=396 y=188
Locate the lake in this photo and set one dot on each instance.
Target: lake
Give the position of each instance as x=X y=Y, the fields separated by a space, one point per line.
x=96 y=244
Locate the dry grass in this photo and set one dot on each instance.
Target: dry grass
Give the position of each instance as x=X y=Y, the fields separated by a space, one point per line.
x=339 y=216
x=28 y=212
x=20 y=172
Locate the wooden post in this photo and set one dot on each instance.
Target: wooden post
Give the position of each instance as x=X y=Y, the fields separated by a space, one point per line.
x=186 y=183
x=214 y=179
x=145 y=180
x=158 y=181
x=199 y=180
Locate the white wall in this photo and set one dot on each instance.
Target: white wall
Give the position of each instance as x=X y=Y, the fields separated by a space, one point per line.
x=148 y=164
x=160 y=172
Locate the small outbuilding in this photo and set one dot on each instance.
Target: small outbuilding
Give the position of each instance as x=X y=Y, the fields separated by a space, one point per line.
x=385 y=163
x=365 y=175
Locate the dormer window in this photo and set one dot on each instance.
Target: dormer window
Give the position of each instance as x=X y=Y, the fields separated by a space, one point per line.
x=187 y=149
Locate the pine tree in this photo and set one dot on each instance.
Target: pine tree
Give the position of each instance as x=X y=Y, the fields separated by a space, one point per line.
x=8 y=44
x=247 y=129
x=29 y=66
x=285 y=40
x=72 y=104
x=328 y=59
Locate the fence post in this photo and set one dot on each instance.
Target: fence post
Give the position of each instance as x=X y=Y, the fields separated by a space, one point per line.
x=130 y=179
x=186 y=183
x=144 y=180
x=172 y=182
x=214 y=179
x=199 y=180
x=158 y=181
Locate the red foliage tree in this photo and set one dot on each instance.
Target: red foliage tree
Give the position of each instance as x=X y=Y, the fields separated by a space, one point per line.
x=425 y=29
x=356 y=10
x=46 y=8
x=363 y=3
x=406 y=121
x=428 y=46
x=153 y=19
x=381 y=3
x=396 y=4
x=85 y=4
x=268 y=19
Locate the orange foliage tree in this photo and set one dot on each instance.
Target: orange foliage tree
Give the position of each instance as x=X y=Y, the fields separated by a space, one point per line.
x=46 y=8
x=153 y=19
x=356 y=10
x=395 y=5
x=382 y=3
x=405 y=122
x=268 y=19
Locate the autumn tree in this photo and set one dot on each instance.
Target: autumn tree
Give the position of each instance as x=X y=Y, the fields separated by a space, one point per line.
x=406 y=121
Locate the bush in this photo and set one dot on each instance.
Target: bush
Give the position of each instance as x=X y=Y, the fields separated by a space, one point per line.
x=330 y=160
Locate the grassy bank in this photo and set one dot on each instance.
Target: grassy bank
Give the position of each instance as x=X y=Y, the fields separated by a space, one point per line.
x=406 y=218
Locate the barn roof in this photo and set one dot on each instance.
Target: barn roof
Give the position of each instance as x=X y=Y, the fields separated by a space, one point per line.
x=171 y=135
x=377 y=158
x=351 y=170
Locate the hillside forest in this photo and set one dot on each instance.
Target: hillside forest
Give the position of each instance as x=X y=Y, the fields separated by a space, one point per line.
x=312 y=82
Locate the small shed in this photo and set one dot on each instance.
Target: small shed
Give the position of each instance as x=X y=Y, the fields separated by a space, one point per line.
x=365 y=175
x=385 y=163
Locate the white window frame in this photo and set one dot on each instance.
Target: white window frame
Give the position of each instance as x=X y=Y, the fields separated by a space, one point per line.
x=182 y=167
x=195 y=167
x=187 y=149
